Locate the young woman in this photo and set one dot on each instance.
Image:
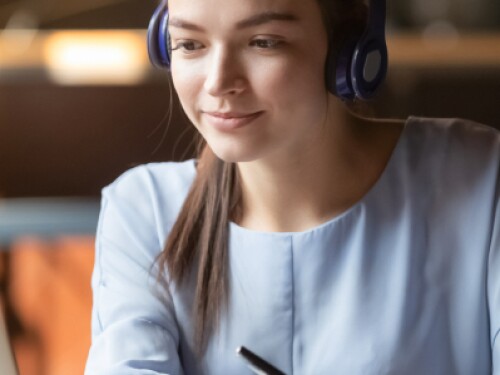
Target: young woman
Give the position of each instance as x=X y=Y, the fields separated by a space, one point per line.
x=324 y=242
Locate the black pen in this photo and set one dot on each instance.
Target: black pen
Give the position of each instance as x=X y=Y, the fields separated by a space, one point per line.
x=257 y=364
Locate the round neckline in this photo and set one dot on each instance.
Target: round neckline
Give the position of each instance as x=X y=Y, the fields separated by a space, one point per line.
x=351 y=210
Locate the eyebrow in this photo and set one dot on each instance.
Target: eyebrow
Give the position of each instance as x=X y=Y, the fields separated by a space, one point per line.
x=252 y=21
x=265 y=17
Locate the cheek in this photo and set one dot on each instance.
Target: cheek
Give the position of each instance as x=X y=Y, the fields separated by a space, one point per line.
x=291 y=84
x=299 y=67
x=187 y=84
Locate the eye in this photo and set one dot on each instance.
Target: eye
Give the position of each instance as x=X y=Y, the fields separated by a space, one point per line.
x=266 y=43
x=187 y=46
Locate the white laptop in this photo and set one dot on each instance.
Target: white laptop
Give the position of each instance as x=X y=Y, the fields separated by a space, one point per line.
x=7 y=362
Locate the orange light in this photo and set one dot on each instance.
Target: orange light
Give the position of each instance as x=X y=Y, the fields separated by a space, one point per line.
x=95 y=57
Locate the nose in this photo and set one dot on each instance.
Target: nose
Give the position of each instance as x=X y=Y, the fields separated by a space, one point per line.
x=225 y=74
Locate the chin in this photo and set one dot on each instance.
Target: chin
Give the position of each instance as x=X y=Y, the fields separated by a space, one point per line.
x=233 y=157
x=234 y=154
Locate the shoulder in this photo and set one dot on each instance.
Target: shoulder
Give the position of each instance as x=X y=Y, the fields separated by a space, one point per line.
x=451 y=160
x=454 y=132
x=147 y=198
x=153 y=179
x=452 y=142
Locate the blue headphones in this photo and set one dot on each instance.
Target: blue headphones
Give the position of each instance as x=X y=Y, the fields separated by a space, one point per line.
x=356 y=72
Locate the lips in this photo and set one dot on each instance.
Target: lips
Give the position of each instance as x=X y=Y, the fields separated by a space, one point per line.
x=226 y=121
x=229 y=115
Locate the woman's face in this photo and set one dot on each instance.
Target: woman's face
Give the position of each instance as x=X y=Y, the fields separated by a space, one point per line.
x=250 y=73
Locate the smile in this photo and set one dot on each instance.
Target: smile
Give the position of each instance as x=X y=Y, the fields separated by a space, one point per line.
x=227 y=121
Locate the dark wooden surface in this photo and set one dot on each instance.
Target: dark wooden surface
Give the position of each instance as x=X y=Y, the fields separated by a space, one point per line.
x=71 y=141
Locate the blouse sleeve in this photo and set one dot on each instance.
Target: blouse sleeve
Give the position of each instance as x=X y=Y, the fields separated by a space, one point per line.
x=494 y=288
x=134 y=329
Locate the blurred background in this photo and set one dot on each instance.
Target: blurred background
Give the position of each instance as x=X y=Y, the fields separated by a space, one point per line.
x=79 y=104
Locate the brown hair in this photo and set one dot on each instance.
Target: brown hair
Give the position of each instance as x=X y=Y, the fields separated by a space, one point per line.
x=198 y=241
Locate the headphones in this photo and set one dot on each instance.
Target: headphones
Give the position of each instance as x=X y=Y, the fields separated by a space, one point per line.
x=357 y=71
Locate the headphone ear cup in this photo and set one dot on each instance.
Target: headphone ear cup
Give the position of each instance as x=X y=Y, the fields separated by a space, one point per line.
x=368 y=66
x=358 y=70
x=158 y=38
x=338 y=70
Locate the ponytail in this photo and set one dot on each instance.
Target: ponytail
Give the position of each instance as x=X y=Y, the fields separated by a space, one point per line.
x=198 y=242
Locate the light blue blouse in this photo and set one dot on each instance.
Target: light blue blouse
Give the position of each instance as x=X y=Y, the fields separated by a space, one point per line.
x=407 y=281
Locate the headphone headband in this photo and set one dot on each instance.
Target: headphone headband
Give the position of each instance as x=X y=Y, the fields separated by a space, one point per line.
x=158 y=39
